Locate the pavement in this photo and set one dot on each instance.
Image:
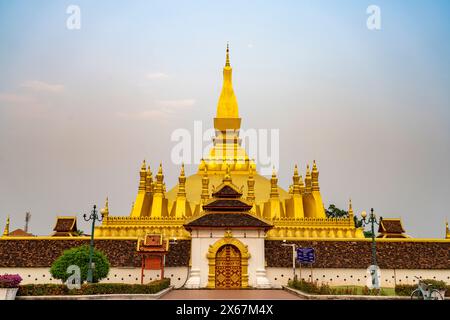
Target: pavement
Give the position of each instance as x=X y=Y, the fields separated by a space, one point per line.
x=230 y=295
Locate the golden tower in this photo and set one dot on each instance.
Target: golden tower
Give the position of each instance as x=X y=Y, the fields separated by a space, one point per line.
x=299 y=214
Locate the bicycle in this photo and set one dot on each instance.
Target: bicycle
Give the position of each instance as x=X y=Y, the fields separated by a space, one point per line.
x=425 y=292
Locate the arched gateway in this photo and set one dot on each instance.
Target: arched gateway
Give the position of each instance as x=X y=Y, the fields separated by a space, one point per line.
x=229 y=231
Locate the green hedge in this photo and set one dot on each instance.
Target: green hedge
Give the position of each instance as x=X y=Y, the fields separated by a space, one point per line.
x=92 y=289
x=407 y=289
x=324 y=289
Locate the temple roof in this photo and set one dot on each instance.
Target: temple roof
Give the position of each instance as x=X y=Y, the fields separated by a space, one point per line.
x=391 y=228
x=20 y=233
x=227 y=205
x=227 y=220
x=65 y=227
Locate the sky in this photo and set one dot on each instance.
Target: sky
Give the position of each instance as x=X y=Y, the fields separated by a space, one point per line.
x=80 y=109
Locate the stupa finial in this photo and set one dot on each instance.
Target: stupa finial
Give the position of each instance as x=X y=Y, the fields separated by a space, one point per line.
x=6 y=231
x=227 y=60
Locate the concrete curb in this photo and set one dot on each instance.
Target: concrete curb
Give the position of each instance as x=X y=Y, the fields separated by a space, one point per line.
x=341 y=297
x=101 y=296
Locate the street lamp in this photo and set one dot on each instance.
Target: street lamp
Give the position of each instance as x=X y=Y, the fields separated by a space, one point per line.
x=94 y=217
x=372 y=220
x=294 y=248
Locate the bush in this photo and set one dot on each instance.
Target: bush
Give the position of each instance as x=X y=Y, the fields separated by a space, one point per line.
x=79 y=256
x=407 y=289
x=43 y=290
x=325 y=289
x=93 y=289
x=310 y=287
x=10 y=281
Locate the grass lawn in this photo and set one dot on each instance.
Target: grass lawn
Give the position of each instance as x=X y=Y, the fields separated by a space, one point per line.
x=359 y=290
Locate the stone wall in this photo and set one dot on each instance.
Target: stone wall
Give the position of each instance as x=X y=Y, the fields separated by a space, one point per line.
x=408 y=254
x=121 y=253
x=357 y=254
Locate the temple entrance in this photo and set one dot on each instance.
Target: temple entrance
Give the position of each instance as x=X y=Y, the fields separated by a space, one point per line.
x=228 y=268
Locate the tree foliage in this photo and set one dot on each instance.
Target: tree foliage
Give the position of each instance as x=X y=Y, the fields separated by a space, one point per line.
x=335 y=212
x=79 y=256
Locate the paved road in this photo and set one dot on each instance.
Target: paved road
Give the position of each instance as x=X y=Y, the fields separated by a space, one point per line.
x=229 y=295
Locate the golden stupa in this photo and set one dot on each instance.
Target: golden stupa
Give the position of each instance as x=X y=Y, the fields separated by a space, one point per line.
x=297 y=214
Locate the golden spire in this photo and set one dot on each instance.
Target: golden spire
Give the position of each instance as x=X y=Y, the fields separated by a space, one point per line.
x=105 y=210
x=143 y=174
x=159 y=188
x=251 y=186
x=308 y=180
x=273 y=185
x=227 y=106
x=296 y=186
x=182 y=183
x=149 y=181
x=205 y=185
x=6 y=231
x=315 y=178
x=350 y=209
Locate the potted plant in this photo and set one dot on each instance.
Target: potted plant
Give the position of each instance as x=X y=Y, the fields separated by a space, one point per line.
x=9 y=284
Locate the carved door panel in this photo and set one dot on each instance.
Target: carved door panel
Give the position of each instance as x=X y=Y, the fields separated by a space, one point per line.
x=228 y=268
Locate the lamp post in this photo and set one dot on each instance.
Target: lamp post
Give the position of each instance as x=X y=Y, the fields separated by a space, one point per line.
x=372 y=220
x=94 y=217
x=294 y=248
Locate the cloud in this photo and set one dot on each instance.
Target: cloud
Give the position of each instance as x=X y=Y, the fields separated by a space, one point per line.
x=40 y=86
x=156 y=75
x=164 y=110
x=146 y=114
x=176 y=104
x=15 y=98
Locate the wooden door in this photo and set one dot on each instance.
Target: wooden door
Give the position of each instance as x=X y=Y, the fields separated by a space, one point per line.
x=228 y=268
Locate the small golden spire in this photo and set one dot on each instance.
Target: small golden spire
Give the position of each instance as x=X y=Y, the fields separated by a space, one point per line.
x=160 y=168
x=182 y=183
x=6 y=231
x=251 y=186
x=296 y=186
x=273 y=185
x=149 y=181
x=105 y=210
x=142 y=175
x=350 y=208
x=205 y=186
x=315 y=178
x=159 y=187
x=308 y=182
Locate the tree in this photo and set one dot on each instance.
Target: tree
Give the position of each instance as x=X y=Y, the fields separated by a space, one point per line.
x=79 y=256
x=334 y=212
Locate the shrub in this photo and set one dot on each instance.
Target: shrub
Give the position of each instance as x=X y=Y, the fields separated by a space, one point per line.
x=43 y=290
x=407 y=289
x=79 y=256
x=94 y=288
x=310 y=287
x=10 y=281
